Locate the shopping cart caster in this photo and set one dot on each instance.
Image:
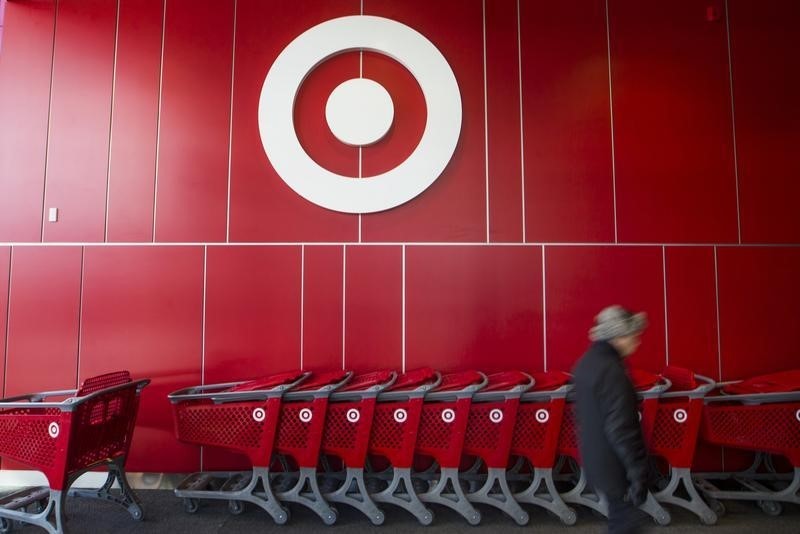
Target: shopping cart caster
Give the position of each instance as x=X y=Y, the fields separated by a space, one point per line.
x=708 y=518
x=136 y=512
x=426 y=518
x=771 y=508
x=190 y=506
x=331 y=516
x=716 y=506
x=282 y=517
x=378 y=518
x=235 y=507
x=662 y=518
x=569 y=517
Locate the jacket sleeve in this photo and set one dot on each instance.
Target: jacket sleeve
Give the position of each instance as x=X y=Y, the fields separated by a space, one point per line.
x=621 y=423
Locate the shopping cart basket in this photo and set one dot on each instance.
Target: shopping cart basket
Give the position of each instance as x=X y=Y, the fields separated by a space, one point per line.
x=237 y=416
x=761 y=414
x=442 y=428
x=492 y=418
x=347 y=429
x=394 y=434
x=91 y=428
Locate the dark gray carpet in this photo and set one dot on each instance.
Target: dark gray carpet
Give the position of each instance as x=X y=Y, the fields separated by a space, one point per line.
x=164 y=513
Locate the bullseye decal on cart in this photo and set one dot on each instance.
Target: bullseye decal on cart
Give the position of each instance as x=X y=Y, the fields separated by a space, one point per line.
x=359 y=112
x=496 y=415
x=400 y=415
x=53 y=430
x=797 y=415
x=640 y=416
x=353 y=415
x=679 y=415
x=259 y=414
x=306 y=415
x=542 y=416
x=448 y=415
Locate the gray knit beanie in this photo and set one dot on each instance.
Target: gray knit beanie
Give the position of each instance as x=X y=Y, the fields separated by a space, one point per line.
x=615 y=321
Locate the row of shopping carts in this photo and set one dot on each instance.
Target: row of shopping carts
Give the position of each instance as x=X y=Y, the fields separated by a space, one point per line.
x=412 y=440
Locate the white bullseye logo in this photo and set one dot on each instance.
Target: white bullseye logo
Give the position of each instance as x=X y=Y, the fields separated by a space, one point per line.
x=542 y=416
x=53 y=430
x=797 y=415
x=680 y=415
x=496 y=415
x=400 y=415
x=360 y=112
x=448 y=415
x=353 y=415
x=305 y=415
x=259 y=414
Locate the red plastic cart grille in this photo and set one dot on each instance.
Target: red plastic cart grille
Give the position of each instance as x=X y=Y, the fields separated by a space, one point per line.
x=223 y=425
x=434 y=432
x=24 y=437
x=339 y=432
x=292 y=432
x=482 y=433
x=96 y=383
x=765 y=427
x=668 y=433
x=102 y=428
x=388 y=434
x=529 y=433
x=568 y=440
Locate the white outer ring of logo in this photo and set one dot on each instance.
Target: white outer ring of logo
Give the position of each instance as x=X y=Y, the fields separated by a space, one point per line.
x=395 y=186
x=496 y=415
x=448 y=415
x=53 y=429
x=306 y=415
x=639 y=413
x=400 y=415
x=353 y=415
x=259 y=414
x=542 y=416
x=797 y=415
x=680 y=415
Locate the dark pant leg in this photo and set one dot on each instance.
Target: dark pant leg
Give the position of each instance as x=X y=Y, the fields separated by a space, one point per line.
x=623 y=517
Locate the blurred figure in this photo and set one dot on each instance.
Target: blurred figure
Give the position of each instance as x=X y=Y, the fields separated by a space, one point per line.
x=611 y=444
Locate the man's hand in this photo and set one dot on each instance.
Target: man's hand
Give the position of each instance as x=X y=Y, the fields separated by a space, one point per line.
x=637 y=493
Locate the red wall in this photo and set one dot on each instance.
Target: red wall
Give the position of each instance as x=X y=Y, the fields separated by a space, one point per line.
x=620 y=152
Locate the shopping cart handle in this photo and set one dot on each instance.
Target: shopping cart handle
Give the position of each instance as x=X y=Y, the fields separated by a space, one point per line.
x=657 y=390
x=548 y=394
x=513 y=392
x=466 y=392
x=696 y=393
x=419 y=392
x=219 y=393
x=755 y=398
x=67 y=405
x=320 y=392
x=38 y=397
x=368 y=393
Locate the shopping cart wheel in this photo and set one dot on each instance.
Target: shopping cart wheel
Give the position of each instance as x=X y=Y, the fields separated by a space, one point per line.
x=331 y=517
x=708 y=518
x=236 y=507
x=772 y=508
x=378 y=518
x=5 y=525
x=716 y=505
x=190 y=506
x=569 y=517
x=282 y=517
x=426 y=518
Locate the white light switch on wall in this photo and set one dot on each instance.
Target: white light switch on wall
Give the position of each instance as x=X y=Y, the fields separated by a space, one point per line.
x=52 y=215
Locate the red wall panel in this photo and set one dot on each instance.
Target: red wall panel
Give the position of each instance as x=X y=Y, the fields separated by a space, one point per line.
x=673 y=133
x=503 y=112
x=77 y=161
x=374 y=308
x=134 y=121
x=252 y=312
x=474 y=307
x=692 y=309
x=25 y=62
x=567 y=123
x=323 y=291
x=581 y=281
x=5 y=266
x=766 y=82
x=759 y=311
x=192 y=179
x=142 y=311
x=44 y=304
x=459 y=194
x=263 y=207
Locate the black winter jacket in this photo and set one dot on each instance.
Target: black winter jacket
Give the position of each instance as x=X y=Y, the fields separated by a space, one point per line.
x=611 y=445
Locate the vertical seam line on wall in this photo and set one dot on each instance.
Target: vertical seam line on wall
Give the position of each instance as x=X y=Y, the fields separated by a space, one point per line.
x=203 y=326
x=485 y=118
x=230 y=125
x=111 y=122
x=360 y=75
x=80 y=319
x=344 y=297
x=733 y=123
x=611 y=120
x=719 y=333
x=302 y=300
x=49 y=123
x=8 y=318
x=666 y=323
x=158 y=119
x=521 y=127
x=403 y=310
x=544 y=312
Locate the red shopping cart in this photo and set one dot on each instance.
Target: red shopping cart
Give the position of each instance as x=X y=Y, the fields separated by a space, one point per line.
x=535 y=441
x=347 y=429
x=761 y=414
x=442 y=428
x=91 y=428
x=492 y=418
x=237 y=416
x=674 y=438
x=394 y=434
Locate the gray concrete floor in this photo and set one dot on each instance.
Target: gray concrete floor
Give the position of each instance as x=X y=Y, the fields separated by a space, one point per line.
x=164 y=513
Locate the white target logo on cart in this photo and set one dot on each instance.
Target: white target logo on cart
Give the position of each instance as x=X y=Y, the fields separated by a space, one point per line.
x=259 y=414
x=353 y=415
x=359 y=113
x=400 y=415
x=797 y=415
x=54 y=430
x=542 y=416
x=680 y=415
x=448 y=415
x=306 y=415
x=496 y=415
x=639 y=414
